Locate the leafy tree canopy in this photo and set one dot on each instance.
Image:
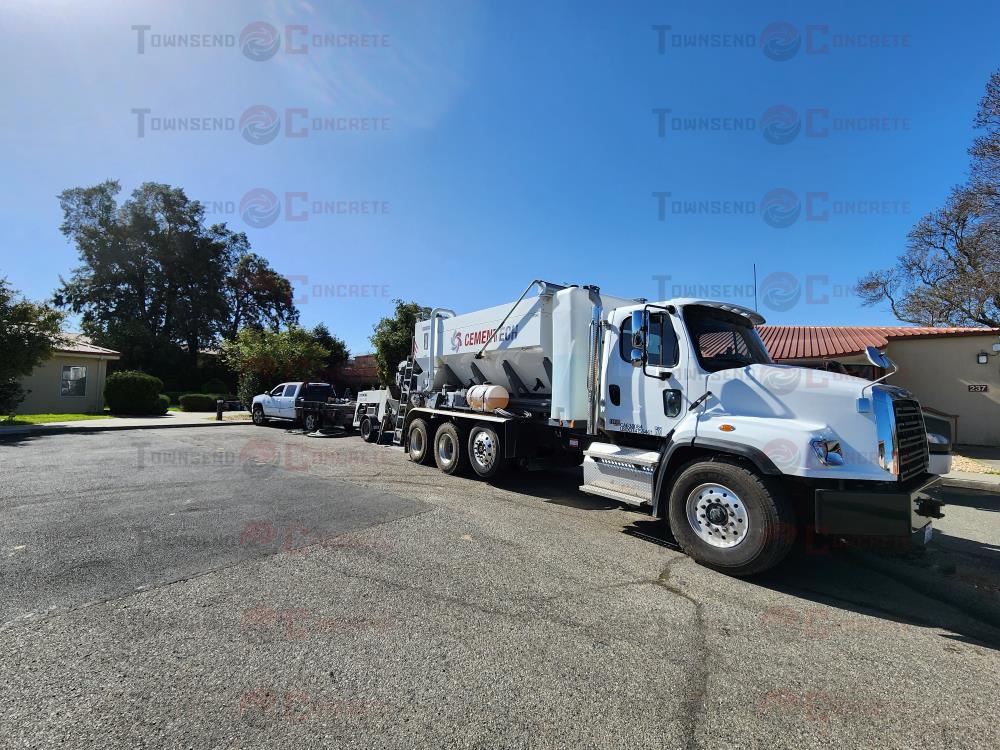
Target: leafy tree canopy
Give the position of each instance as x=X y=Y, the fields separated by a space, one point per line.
x=393 y=338
x=154 y=278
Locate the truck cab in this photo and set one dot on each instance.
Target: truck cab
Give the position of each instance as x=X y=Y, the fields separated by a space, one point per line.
x=280 y=402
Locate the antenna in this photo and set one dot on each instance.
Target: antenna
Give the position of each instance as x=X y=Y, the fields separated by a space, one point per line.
x=755 y=287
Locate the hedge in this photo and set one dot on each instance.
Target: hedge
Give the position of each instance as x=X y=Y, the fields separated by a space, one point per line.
x=132 y=392
x=198 y=402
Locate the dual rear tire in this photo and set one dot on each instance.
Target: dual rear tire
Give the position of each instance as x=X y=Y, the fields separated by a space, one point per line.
x=454 y=449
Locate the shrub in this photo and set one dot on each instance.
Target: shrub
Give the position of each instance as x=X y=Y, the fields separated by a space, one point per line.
x=251 y=384
x=215 y=385
x=131 y=392
x=197 y=402
x=11 y=396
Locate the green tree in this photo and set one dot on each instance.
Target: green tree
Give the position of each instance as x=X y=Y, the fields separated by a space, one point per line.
x=262 y=357
x=155 y=281
x=339 y=353
x=28 y=333
x=393 y=338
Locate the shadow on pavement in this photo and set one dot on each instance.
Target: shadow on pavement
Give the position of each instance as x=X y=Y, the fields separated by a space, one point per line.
x=839 y=577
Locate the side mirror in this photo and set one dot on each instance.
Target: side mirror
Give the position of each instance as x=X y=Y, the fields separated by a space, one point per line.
x=638 y=355
x=877 y=358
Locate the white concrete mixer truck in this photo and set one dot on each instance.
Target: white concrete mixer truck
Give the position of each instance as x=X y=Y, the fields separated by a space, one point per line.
x=675 y=406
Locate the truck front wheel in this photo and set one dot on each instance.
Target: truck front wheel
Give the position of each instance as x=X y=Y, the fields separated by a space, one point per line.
x=449 y=453
x=730 y=518
x=418 y=442
x=258 y=416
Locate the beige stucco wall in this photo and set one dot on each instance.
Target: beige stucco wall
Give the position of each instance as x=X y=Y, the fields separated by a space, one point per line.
x=939 y=371
x=46 y=381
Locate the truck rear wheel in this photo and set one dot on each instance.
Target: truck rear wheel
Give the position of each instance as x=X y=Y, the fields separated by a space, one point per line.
x=310 y=422
x=486 y=452
x=729 y=518
x=449 y=453
x=368 y=430
x=418 y=442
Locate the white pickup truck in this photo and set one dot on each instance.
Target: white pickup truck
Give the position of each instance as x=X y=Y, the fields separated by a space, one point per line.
x=280 y=402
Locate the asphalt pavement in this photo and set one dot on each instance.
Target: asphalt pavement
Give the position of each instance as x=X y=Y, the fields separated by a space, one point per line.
x=257 y=588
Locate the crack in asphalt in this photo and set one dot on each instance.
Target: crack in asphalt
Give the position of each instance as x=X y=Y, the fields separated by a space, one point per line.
x=694 y=701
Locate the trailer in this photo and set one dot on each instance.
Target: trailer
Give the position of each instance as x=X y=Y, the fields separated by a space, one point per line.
x=674 y=407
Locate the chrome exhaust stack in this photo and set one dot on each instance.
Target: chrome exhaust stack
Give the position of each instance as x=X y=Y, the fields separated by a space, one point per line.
x=594 y=365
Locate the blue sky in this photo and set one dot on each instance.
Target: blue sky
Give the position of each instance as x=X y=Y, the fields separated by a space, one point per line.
x=449 y=152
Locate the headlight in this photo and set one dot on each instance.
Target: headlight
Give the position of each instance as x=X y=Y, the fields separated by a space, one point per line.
x=828 y=451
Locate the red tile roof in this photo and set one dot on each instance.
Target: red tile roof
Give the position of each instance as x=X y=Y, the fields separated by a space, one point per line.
x=801 y=342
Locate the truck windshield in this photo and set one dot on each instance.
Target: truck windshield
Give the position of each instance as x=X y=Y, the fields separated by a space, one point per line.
x=724 y=340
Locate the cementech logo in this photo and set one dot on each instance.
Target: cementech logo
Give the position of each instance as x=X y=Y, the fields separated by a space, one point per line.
x=480 y=337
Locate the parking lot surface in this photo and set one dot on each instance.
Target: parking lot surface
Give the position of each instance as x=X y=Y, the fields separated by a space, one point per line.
x=257 y=588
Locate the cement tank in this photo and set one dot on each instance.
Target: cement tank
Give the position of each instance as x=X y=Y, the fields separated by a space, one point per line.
x=540 y=352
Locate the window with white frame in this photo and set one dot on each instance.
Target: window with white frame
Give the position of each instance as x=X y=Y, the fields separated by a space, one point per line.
x=74 y=380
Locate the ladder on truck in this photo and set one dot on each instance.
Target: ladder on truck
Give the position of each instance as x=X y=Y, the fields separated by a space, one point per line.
x=405 y=385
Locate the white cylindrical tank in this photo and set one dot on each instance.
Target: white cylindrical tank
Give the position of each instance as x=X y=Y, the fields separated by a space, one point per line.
x=487 y=397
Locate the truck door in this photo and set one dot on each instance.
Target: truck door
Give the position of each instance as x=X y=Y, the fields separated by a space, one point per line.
x=647 y=400
x=286 y=409
x=271 y=402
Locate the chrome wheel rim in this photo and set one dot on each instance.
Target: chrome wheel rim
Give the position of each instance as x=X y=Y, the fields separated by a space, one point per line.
x=258 y=416
x=310 y=423
x=446 y=448
x=484 y=450
x=416 y=442
x=717 y=515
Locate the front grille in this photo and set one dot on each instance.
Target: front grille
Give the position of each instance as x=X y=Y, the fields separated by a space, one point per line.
x=911 y=437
